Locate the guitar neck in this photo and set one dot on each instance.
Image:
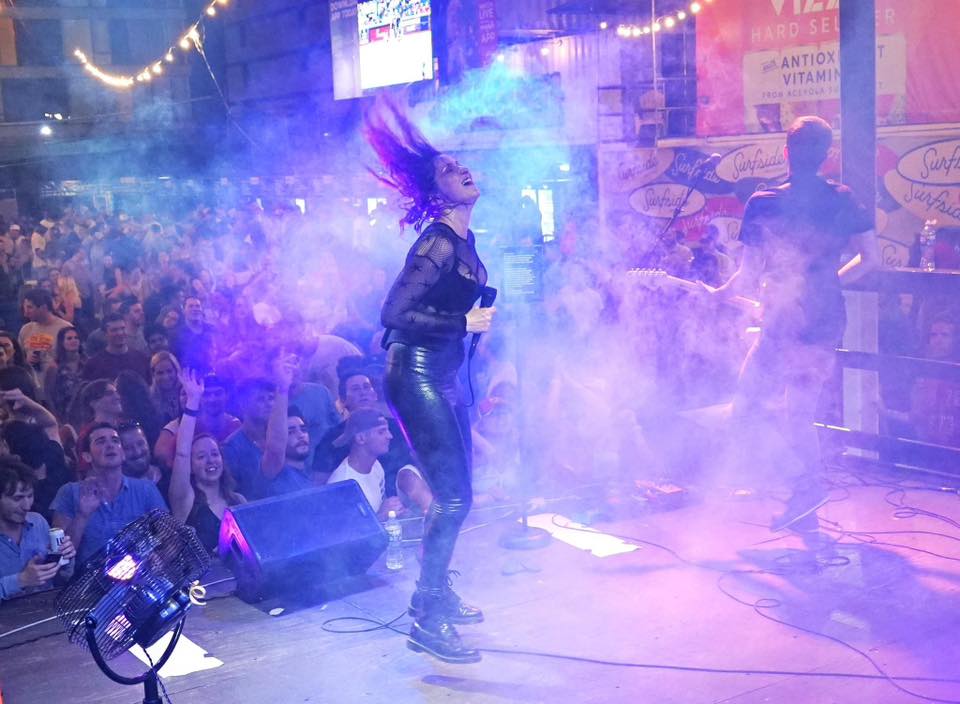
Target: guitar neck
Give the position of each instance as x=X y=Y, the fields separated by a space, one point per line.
x=747 y=304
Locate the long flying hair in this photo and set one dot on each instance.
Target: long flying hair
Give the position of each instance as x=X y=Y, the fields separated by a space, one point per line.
x=407 y=157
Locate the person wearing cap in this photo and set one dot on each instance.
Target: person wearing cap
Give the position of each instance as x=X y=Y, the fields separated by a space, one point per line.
x=356 y=390
x=368 y=436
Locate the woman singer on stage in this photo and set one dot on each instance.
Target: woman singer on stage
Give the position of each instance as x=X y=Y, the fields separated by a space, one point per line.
x=427 y=313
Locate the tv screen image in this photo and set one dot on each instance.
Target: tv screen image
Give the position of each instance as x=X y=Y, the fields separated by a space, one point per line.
x=394 y=42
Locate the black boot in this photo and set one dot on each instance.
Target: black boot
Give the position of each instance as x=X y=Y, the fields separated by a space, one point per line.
x=432 y=632
x=450 y=604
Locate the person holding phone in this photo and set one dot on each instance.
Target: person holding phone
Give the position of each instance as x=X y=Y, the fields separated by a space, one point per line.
x=26 y=564
x=38 y=337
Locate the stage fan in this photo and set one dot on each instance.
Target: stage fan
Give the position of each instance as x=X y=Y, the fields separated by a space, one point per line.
x=133 y=591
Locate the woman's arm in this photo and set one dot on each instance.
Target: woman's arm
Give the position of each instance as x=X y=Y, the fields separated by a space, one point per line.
x=181 y=490
x=431 y=256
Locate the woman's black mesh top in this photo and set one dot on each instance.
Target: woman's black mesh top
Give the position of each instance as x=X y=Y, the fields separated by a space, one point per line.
x=439 y=283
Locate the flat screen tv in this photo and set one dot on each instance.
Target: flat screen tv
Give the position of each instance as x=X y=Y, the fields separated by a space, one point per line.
x=379 y=43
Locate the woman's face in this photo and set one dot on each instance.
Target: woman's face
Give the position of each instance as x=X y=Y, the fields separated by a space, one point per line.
x=71 y=341
x=171 y=319
x=454 y=182
x=164 y=374
x=8 y=349
x=206 y=463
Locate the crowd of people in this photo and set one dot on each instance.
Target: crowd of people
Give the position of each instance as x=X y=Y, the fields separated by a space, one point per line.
x=147 y=363
x=198 y=362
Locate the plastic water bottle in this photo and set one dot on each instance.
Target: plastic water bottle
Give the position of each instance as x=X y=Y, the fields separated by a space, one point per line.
x=928 y=243
x=395 y=546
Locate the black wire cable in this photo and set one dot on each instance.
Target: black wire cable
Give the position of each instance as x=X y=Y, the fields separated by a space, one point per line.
x=766 y=603
x=380 y=625
x=770 y=603
x=32 y=640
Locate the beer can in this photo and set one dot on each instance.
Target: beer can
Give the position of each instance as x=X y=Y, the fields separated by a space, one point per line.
x=56 y=539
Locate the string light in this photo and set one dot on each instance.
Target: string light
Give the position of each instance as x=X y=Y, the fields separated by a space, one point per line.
x=189 y=40
x=658 y=25
x=110 y=79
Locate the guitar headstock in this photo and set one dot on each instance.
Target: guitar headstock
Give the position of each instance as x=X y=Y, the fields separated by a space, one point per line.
x=647 y=273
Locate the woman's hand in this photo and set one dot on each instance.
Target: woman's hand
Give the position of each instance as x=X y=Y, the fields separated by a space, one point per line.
x=192 y=384
x=480 y=319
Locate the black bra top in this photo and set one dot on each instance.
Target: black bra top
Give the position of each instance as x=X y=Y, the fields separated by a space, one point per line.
x=440 y=281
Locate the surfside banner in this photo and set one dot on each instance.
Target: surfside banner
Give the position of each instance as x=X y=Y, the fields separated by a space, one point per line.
x=926 y=181
x=918 y=178
x=760 y=63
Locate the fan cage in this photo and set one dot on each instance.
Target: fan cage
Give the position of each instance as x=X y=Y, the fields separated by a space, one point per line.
x=127 y=583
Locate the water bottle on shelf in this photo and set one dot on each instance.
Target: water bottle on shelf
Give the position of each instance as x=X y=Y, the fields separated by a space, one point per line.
x=395 y=546
x=928 y=243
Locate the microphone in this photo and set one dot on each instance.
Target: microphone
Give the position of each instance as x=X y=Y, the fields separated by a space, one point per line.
x=488 y=294
x=710 y=161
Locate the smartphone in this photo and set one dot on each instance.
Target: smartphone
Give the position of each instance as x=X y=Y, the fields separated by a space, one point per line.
x=52 y=557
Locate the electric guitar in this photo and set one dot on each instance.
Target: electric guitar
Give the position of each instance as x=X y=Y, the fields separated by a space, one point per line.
x=658 y=278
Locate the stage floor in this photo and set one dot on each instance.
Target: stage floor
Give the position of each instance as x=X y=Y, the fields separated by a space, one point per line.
x=675 y=632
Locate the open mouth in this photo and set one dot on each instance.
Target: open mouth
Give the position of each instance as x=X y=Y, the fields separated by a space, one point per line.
x=467 y=181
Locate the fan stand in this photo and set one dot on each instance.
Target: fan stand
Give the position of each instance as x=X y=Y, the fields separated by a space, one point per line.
x=151 y=694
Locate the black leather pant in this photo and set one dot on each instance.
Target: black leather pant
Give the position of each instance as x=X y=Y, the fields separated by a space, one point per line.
x=420 y=386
